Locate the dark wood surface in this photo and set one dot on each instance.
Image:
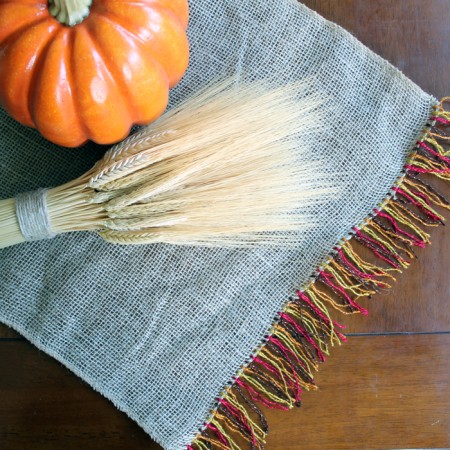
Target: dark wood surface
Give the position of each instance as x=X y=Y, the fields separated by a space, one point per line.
x=387 y=388
x=44 y=406
x=378 y=392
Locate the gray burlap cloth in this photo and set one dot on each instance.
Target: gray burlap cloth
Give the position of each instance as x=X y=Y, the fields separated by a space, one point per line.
x=160 y=330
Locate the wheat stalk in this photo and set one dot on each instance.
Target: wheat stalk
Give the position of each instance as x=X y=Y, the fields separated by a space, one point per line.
x=229 y=167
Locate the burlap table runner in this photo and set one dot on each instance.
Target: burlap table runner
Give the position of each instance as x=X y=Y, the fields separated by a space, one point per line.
x=161 y=330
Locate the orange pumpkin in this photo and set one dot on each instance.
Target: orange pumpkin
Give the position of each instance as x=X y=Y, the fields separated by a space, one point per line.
x=81 y=70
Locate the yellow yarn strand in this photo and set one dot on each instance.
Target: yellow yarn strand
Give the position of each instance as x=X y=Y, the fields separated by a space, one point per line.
x=407 y=222
x=440 y=109
x=259 y=432
x=365 y=265
x=343 y=277
x=425 y=163
x=314 y=325
x=270 y=357
x=299 y=352
x=441 y=112
x=386 y=241
x=393 y=236
x=369 y=281
x=316 y=301
x=332 y=335
x=222 y=418
x=298 y=349
x=203 y=446
x=329 y=299
x=404 y=210
x=281 y=385
x=388 y=238
x=424 y=204
x=284 y=371
x=439 y=148
x=262 y=390
x=233 y=445
x=431 y=195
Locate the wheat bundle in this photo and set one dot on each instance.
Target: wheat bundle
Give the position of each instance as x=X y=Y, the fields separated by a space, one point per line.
x=226 y=167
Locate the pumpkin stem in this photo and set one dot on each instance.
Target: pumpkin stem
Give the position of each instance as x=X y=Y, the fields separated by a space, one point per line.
x=69 y=12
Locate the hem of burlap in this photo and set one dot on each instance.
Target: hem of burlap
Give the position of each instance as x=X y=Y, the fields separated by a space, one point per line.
x=303 y=331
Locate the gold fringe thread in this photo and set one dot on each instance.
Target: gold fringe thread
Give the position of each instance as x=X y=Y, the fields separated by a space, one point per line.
x=304 y=331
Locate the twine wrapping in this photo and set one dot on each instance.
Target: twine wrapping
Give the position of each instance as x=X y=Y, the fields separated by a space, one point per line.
x=32 y=215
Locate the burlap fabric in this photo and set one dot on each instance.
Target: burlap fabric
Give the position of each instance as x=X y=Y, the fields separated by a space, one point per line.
x=159 y=330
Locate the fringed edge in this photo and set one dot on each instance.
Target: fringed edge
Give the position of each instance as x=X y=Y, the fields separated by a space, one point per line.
x=303 y=331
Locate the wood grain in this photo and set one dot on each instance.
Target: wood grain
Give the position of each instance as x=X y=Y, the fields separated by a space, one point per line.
x=8 y=333
x=411 y=34
x=376 y=392
x=44 y=406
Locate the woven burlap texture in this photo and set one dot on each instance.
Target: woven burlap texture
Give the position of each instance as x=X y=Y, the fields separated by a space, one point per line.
x=159 y=330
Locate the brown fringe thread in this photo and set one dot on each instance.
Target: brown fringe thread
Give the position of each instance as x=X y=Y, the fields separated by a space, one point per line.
x=304 y=331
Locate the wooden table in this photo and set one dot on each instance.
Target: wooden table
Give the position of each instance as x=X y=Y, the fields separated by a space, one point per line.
x=389 y=387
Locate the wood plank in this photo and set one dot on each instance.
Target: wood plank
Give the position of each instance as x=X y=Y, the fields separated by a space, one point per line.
x=411 y=34
x=385 y=392
x=375 y=392
x=8 y=333
x=44 y=406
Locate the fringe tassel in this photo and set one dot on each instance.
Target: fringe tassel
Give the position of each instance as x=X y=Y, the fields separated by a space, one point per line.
x=304 y=331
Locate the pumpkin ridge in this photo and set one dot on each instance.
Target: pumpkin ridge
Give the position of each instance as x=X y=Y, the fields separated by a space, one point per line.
x=27 y=81
x=72 y=84
x=138 y=112
x=54 y=111
x=14 y=2
x=152 y=3
x=157 y=5
x=27 y=13
x=121 y=21
x=181 y=32
x=89 y=126
x=183 y=22
x=16 y=33
x=75 y=87
x=118 y=24
x=112 y=70
x=40 y=58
